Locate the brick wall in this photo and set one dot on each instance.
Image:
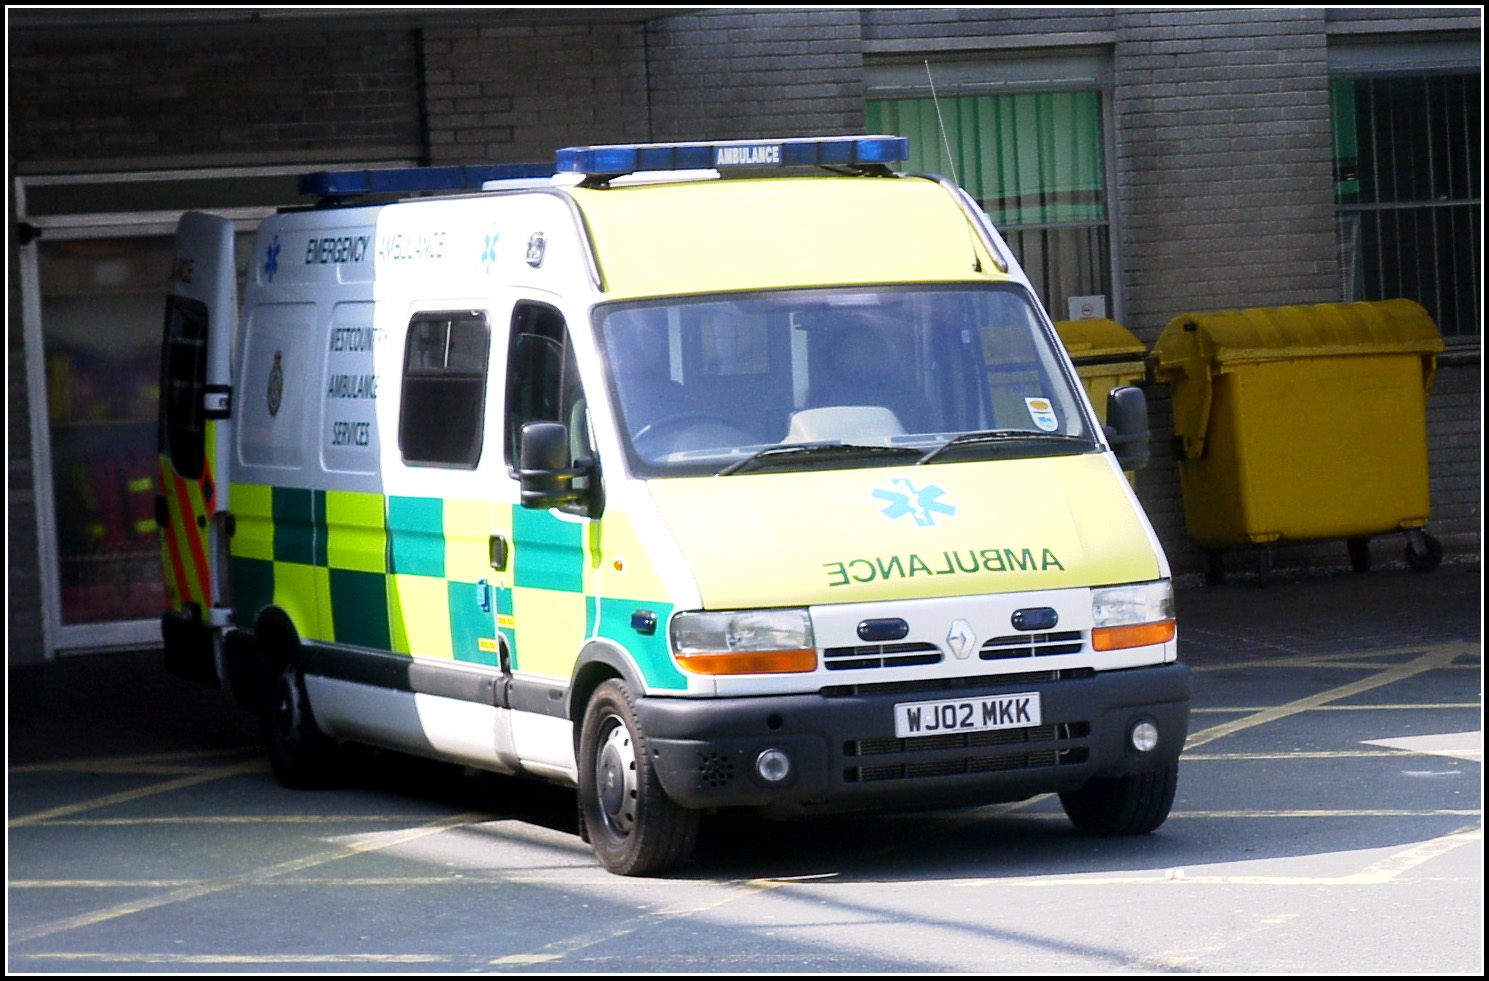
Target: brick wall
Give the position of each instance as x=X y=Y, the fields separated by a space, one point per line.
x=1455 y=442
x=167 y=99
x=1224 y=162
x=514 y=94
x=740 y=74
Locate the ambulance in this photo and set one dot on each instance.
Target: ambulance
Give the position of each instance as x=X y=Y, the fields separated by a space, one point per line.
x=696 y=476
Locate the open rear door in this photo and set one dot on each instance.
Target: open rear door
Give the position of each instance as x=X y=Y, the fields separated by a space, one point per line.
x=195 y=421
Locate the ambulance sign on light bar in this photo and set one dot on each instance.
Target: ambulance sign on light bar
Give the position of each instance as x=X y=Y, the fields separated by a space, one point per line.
x=819 y=151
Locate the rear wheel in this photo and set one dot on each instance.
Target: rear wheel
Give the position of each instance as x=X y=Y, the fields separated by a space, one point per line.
x=629 y=820
x=1130 y=805
x=300 y=754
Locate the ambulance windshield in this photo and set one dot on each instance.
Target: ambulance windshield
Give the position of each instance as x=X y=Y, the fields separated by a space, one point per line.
x=834 y=378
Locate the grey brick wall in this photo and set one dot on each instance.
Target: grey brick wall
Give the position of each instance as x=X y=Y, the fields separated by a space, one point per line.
x=743 y=74
x=514 y=94
x=167 y=99
x=1455 y=442
x=1224 y=162
x=915 y=30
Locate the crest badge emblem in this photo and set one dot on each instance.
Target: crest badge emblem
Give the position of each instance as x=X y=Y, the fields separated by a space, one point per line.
x=276 y=384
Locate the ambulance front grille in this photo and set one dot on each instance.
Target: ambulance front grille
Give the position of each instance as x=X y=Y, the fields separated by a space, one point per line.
x=879 y=656
x=957 y=754
x=922 y=685
x=1032 y=645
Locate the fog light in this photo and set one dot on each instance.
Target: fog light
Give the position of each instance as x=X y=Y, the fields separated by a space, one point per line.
x=773 y=765
x=1144 y=736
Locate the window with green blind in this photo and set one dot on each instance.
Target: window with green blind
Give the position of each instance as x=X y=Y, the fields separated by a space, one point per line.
x=1407 y=190
x=1034 y=161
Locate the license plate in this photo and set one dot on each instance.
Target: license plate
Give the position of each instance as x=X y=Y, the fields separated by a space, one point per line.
x=966 y=715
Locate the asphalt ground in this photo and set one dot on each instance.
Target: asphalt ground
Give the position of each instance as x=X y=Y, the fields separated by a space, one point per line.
x=143 y=831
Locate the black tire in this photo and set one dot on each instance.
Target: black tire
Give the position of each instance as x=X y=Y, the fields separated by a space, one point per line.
x=630 y=822
x=302 y=757
x=1132 y=805
x=1428 y=560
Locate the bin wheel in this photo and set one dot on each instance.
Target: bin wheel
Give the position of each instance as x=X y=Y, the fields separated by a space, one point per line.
x=1131 y=805
x=1359 y=554
x=1423 y=556
x=1265 y=557
x=1214 y=567
x=631 y=823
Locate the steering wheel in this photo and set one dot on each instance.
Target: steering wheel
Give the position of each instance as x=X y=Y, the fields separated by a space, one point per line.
x=677 y=421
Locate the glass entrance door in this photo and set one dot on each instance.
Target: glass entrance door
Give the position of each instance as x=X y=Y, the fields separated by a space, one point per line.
x=101 y=307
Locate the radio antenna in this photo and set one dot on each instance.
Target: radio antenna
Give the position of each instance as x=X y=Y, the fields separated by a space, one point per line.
x=941 y=122
x=946 y=144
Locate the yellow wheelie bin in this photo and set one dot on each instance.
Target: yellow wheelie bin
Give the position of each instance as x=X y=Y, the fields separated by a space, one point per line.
x=1303 y=423
x=1106 y=355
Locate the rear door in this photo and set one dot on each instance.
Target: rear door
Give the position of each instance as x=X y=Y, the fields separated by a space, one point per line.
x=195 y=412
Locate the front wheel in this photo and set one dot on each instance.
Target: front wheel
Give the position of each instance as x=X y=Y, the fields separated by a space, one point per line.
x=1131 y=805
x=631 y=823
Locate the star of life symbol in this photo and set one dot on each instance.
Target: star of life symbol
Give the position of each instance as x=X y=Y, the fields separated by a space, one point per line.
x=271 y=260
x=488 y=251
x=923 y=504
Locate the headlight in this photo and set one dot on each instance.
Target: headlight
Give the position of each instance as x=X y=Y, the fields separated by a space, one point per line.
x=1132 y=616
x=744 y=642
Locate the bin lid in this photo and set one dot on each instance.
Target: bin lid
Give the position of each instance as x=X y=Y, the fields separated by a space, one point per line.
x=1196 y=346
x=1277 y=333
x=1096 y=337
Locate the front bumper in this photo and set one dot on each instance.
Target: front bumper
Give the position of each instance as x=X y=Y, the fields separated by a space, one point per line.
x=845 y=754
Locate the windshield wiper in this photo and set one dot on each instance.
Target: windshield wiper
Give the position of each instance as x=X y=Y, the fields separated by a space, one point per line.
x=1004 y=436
x=786 y=452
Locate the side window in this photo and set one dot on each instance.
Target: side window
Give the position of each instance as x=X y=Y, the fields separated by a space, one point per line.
x=543 y=379
x=444 y=389
x=183 y=382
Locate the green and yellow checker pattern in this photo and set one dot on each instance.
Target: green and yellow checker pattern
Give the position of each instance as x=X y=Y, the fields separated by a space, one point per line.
x=413 y=575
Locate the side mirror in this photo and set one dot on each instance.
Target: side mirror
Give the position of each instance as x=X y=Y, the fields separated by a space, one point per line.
x=546 y=470
x=1127 y=426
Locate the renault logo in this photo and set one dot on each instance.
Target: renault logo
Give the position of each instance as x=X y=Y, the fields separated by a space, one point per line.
x=961 y=639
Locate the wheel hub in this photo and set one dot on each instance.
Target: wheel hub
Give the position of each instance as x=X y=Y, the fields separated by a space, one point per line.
x=615 y=778
x=286 y=708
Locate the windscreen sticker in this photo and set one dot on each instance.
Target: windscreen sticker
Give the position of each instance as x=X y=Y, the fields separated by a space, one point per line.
x=1043 y=414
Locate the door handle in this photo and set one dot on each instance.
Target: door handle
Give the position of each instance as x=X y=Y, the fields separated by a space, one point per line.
x=501 y=552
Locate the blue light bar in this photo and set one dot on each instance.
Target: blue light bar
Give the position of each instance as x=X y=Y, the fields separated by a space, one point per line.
x=347 y=183
x=843 y=151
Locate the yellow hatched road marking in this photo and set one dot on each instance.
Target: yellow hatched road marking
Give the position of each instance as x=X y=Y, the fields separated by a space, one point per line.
x=1181 y=958
x=205 y=776
x=1390 y=707
x=247 y=958
x=563 y=948
x=1432 y=659
x=371 y=843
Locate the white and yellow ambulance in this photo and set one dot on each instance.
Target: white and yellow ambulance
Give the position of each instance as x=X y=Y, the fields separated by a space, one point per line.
x=698 y=476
